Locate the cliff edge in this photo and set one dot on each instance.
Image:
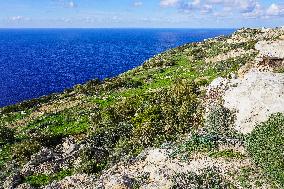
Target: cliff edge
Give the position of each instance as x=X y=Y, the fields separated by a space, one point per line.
x=203 y=115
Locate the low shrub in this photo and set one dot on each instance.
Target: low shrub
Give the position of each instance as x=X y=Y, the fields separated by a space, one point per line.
x=219 y=120
x=38 y=180
x=209 y=178
x=7 y=135
x=22 y=151
x=93 y=160
x=265 y=146
x=44 y=179
x=196 y=143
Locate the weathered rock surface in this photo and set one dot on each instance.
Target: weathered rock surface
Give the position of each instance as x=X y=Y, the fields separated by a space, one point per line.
x=12 y=181
x=272 y=49
x=80 y=181
x=157 y=169
x=254 y=98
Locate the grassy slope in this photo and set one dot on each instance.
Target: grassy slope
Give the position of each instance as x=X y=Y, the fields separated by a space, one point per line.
x=156 y=102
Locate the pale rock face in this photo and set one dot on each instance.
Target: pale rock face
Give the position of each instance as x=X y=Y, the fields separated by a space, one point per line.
x=24 y=186
x=160 y=168
x=272 y=49
x=218 y=83
x=254 y=98
x=69 y=147
x=80 y=181
x=281 y=37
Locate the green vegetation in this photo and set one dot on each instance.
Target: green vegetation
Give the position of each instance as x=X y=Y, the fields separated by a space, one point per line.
x=245 y=177
x=265 y=145
x=7 y=135
x=227 y=154
x=62 y=124
x=92 y=160
x=158 y=102
x=209 y=178
x=43 y=179
x=219 y=120
x=22 y=151
x=252 y=177
x=279 y=70
x=196 y=143
x=219 y=123
x=5 y=155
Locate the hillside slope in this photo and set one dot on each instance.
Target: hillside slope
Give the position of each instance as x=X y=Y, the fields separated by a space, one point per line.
x=203 y=115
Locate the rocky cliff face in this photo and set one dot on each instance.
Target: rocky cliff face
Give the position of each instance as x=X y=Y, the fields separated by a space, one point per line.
x=203 y=115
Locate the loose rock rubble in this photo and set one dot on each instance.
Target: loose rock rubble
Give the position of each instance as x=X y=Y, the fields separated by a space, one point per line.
x=158 y=169
x=80 y=181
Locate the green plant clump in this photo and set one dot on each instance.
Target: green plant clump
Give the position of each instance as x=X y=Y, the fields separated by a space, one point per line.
x=22 y=151
x=227 y=154
x=209 y=178
x=44 y=179
x=7 y=135
x=265 y=146
x=219 y=120
x=196 y=143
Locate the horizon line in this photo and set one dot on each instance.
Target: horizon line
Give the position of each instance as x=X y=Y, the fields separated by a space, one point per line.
x=121 y=27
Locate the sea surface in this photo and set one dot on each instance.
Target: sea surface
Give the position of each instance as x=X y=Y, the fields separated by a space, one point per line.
x=37 y=62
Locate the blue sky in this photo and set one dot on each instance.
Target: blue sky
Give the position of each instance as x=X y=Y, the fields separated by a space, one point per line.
x=141 y=13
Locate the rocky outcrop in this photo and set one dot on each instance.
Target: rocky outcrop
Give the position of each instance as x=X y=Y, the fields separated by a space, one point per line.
x=254 y=98
x=80 y=181
x=155 y=169
x=271 y=49
x=49 y=161
x=247 y=96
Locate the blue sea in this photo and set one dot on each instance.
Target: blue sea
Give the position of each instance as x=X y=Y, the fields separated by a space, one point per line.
x=37 y=62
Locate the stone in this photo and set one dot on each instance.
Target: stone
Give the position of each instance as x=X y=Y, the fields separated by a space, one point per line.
x=254 y=98
x=24 y=186
x=79 y=181
x=12 y=181
x=69 y=147
x=271 y=49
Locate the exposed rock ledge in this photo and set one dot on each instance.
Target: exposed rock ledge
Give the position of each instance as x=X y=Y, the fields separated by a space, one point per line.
x=254 y=98
x=273 y=49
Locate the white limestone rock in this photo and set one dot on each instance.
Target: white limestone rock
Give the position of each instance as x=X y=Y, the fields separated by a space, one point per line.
x=255 y=97
x=271 y=49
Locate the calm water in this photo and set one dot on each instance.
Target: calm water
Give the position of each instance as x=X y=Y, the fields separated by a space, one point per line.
x=36 y=62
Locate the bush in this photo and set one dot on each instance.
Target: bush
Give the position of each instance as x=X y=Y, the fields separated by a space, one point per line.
x=38 y=180
x=93 y=160
x=209 y=178
x=265 y=146
x=148 y=119
x=43 y=179
x=196 y=143
x=7 y=135
x=219 y=120
x=23 y=151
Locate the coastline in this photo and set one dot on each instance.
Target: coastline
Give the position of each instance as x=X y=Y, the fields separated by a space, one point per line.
x=135 y=129
x=54 y=60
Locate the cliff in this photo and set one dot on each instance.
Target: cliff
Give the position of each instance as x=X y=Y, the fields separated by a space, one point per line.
x=203 y=115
